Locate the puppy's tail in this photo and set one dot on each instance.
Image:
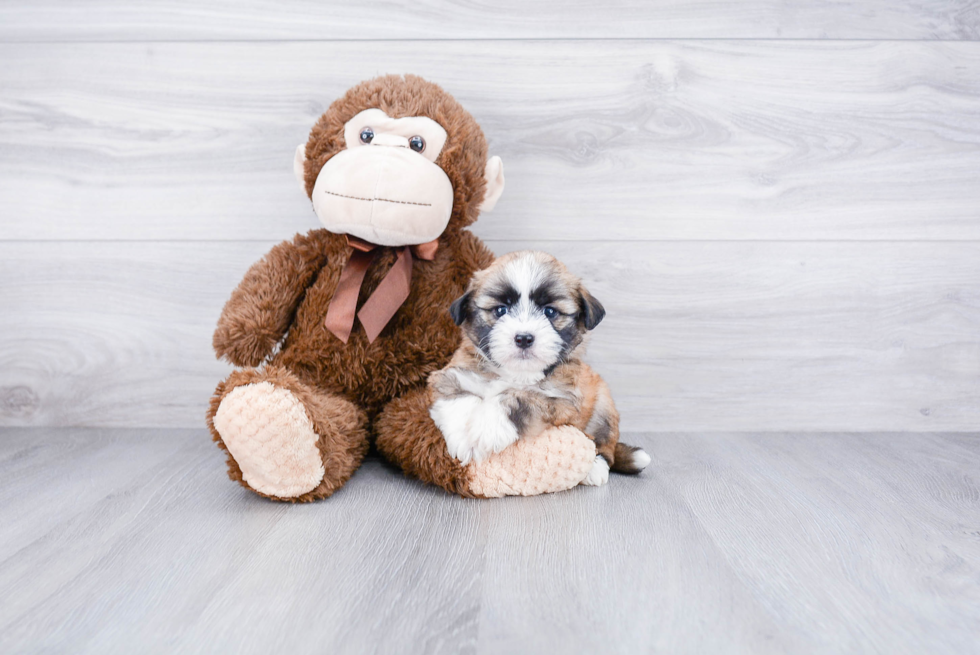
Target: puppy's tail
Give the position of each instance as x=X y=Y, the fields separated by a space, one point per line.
x=629 y=459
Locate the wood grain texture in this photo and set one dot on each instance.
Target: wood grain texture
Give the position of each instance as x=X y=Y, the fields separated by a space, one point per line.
x=698 y=336
x=117 y=20
x=600 y=139
x=746 y=544
x=118 y=541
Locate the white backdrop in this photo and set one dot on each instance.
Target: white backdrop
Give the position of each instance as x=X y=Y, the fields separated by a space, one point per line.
x=780 y=208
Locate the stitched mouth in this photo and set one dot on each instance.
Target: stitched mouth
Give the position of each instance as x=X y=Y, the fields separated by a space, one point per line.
x=397 y=202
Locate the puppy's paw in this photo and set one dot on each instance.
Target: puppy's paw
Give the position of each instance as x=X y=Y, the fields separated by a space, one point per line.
x=599 y=475
x=490 y=429
x=451 y=416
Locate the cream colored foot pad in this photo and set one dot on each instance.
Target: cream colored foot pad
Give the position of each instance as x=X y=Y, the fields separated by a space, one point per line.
x=555 y=460
x=269 y=434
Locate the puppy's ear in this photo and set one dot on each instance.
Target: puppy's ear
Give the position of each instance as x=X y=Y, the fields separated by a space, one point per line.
x=592 y=309
x=460 y=309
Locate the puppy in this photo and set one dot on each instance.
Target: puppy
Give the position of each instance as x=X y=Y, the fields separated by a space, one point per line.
x=519 y=369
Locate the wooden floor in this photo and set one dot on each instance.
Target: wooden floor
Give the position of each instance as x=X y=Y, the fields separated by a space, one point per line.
x=123 y=541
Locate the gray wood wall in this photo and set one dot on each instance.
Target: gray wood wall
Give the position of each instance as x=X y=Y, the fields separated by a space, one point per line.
x=779 y=206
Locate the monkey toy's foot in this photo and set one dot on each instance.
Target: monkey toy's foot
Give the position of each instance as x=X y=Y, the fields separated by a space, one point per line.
x=555 y=460
x=285 y=440
x=267 y=431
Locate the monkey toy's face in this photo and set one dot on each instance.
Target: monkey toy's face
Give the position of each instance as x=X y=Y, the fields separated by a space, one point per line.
x=385 y=184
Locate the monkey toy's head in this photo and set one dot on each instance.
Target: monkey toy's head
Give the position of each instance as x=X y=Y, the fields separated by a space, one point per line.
x=396 y=162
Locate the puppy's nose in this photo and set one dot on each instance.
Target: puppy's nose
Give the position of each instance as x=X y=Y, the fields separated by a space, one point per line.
x=524 y=341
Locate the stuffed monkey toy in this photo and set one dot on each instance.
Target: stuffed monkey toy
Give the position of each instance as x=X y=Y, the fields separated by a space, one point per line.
x=335 y=332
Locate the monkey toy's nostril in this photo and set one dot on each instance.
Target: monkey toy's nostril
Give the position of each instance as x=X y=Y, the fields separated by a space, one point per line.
x=524 y=340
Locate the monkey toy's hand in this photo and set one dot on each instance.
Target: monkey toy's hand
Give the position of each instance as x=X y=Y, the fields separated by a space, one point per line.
x=260 y=310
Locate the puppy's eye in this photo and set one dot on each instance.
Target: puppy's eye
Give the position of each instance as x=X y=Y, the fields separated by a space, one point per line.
x=499 y=310
x=366 y=135
x=550 y=312
x=416 y=143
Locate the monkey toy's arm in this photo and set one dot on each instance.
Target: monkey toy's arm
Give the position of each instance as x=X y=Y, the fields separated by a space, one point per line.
x=260 y=310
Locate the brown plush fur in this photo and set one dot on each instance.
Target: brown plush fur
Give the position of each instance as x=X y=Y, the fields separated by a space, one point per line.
x=407 y=434
x=344 y=387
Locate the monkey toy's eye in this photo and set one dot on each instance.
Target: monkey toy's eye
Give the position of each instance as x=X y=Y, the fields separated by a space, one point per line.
x=499 y=310
x=550 y=312
x=366 y=135
x=417 y=143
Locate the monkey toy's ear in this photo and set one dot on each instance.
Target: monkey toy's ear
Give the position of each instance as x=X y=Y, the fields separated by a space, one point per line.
x=460 y=309
x=494 y=174
x=299 y=165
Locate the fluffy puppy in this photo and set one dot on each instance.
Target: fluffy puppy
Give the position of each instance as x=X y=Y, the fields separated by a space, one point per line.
x=519 y=369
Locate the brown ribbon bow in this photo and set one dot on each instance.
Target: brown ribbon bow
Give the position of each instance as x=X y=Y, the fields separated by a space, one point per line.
x=386 y=299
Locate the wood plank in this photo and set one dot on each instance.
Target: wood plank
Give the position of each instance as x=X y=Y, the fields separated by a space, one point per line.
x=175 y=549
x=827 y=502
x=792 y=531
x=60 y=20
x=699 y=335
x=609 y=139
x=728 y=543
